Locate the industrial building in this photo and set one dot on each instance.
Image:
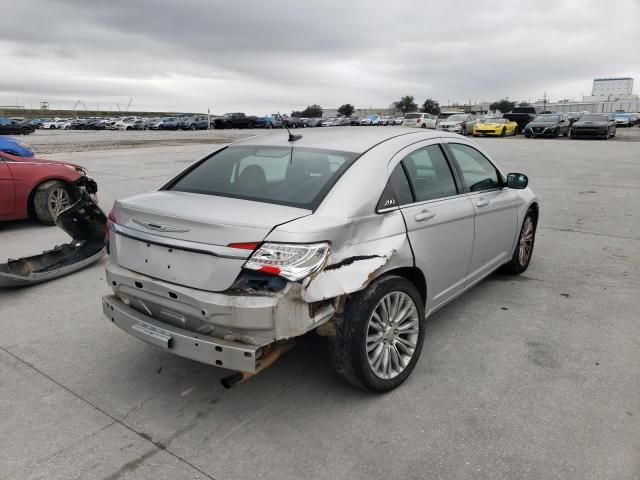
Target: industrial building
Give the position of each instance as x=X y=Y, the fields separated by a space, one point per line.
x=604 y=87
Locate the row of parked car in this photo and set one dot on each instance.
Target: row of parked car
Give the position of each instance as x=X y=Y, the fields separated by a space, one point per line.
x=530 y=121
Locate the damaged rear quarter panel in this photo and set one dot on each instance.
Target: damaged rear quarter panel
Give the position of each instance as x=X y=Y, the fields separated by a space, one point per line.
x=361 y=251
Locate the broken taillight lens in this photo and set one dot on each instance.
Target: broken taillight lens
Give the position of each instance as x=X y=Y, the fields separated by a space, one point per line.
x=291 y=261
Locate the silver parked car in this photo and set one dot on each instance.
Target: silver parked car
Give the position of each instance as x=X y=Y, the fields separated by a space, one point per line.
x=358 y=235
x=461 y=123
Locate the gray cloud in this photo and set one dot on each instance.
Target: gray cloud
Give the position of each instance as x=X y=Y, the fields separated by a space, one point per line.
x=263 y=56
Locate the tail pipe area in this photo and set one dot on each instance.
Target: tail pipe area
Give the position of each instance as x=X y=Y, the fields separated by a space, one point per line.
x=269 y=359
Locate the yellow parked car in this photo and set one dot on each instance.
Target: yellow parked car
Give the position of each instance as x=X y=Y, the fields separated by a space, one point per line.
x=495 y=127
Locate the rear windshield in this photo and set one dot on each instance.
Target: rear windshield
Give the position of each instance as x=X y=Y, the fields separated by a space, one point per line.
x=298 y=177
x=413 y=115
x=594 y=118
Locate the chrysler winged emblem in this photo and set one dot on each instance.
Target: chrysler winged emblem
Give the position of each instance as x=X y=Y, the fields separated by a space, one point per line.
x=159 y=227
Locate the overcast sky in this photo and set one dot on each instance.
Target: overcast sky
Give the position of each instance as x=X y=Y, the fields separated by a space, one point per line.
x=263 y=56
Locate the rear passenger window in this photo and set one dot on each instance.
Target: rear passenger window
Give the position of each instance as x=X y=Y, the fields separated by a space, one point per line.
x=478 y=172
x=430 y=174
x=397 y=192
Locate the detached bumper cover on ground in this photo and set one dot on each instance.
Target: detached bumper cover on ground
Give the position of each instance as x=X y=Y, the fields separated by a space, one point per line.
x=85 y=223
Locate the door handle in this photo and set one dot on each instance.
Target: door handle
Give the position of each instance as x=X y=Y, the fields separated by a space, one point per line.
x=424 y=215
x=482 y=202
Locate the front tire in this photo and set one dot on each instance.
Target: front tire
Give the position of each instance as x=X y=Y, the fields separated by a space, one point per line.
x=380 y=337
x=503 y=133
x=50 y=199
x=524 y=248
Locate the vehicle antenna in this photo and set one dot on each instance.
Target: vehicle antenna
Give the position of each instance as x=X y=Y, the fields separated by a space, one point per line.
x=292 y=138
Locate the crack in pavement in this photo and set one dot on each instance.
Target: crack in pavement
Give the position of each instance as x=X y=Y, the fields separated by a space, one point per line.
x=572 y=230
x=142 y=435
x=69 y=447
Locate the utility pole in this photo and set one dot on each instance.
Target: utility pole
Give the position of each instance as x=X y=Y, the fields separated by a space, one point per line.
x=208 y=118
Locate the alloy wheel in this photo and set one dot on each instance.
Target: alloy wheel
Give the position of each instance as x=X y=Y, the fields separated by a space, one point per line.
x=392 y=335
x=59 y=200
x=525 y=244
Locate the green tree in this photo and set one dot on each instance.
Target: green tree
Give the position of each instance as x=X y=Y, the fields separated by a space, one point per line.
x=296 y=113
x=346 y=110
x=524 y=104
x=406 y=104
x=431 y=106
x=312 y=111
x=503 y=105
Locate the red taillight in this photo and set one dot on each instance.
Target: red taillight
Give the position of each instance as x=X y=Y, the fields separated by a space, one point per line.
x=269 y=270
x=419 y=120
x=244 y=246
x=112 y=217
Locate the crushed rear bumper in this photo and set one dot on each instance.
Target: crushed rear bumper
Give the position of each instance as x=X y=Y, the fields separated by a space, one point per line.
x=86 y=225
x=181 y=342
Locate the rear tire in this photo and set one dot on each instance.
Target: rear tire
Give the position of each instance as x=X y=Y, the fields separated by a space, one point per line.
x=50 y=199
x=524 y=248
x=371 y=349
x=25 y=131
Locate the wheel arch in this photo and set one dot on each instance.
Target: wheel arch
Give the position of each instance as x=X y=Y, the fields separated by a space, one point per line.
x=30 y=198
x=413 y=275
x=535 y=209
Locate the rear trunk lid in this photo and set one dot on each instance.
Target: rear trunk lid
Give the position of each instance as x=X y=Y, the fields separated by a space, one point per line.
x=184 y=238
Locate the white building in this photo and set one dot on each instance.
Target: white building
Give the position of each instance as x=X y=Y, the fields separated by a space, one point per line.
x=605 y=87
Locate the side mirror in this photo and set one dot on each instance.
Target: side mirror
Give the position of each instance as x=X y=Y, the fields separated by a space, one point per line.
x=517 y=180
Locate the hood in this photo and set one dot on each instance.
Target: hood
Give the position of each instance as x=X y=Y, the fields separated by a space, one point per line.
x=42 y=161
x=490 y=125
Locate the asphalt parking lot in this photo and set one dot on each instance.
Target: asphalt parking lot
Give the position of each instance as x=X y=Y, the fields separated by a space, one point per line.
x=526 y=377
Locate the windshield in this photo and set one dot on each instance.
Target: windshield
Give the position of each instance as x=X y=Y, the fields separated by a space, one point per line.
x=546 y=118
x=298 y=177
x=456 y=118
x=594 y=118
x=622 y=116
x=495 y=120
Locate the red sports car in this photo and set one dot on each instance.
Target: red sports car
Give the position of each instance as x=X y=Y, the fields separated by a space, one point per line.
x=37 y=188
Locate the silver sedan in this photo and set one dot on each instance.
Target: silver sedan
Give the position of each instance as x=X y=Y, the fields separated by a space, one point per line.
x=358 y=235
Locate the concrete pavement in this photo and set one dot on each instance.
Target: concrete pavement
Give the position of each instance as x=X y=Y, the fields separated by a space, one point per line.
x=526 y=377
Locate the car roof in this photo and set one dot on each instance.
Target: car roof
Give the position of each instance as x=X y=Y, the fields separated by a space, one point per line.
x=347 y=139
